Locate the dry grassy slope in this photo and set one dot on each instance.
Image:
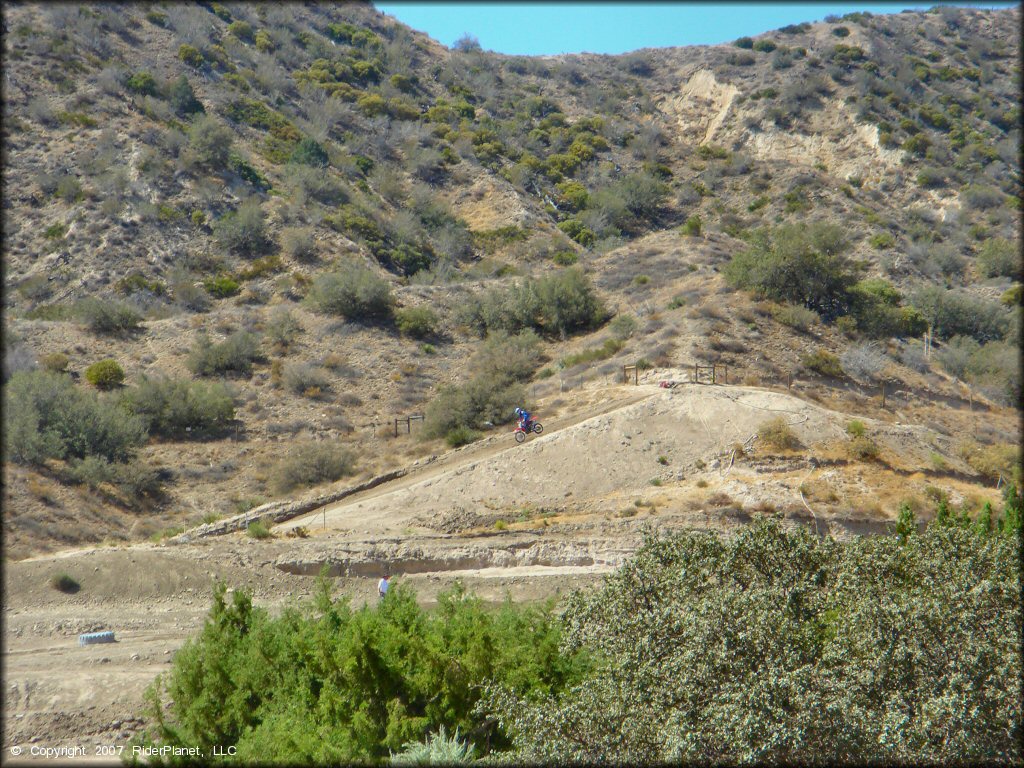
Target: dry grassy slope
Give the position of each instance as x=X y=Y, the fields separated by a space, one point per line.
x=673 y=100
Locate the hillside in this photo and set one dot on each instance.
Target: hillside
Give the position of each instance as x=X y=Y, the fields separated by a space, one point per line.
x=353 y=208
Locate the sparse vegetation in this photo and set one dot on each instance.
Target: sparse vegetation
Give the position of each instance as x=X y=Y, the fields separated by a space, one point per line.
x=824 y=363
x=310 y=464
x=258 y=530
x=235 y=355
x=108 y=316
x=777 y=433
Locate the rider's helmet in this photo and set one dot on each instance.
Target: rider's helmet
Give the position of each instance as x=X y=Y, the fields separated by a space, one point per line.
x=519 y=412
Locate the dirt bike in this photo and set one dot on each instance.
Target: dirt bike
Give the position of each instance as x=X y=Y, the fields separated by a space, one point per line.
x=522 y=431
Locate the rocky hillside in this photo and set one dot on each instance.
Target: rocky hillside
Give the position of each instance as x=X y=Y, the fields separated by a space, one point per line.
x=289 y=225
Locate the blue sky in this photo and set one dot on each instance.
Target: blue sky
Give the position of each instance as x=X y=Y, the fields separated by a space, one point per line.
x=550 y=28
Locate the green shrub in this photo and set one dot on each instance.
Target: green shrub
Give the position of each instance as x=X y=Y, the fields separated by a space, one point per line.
x=190 y=55
x=258 y=530
x=603 y=352
x=823 y=363
x=136 y=282
x=221 y=287
x=623 y=326
x=298 y=243
x=79 y=119
x=282 y=328
x=176 y=407
x=999 y=258
x=305 y=379
x=354 y=292
x=876 y=306
x=765 y=46
x=797 y=263
x=105 y=374
x=417 y=322
x=142 y=83
x=47 y=416
x=209 y=142
x=692 y=227
x=183 y=99
x=982 y=197
x=459 y=436
x=575 y=229
x=882 y=240
x=55 y=362
x=557 y=304
x=69 y=189
x=234 y=355
x=487 y=397
x=917 y=144
x=862 y=448
x=744 y=42
x=391 y=672
x=564 y=258
x=35 y=287
x=855 y=428
x=777 y=433
x=669 y=628
x=62 y=582
x=241 y=29
x=55 y=231
x=958 y=313
x=243 y=231
x=309 y=152
x=795 y=316
x=310 y=464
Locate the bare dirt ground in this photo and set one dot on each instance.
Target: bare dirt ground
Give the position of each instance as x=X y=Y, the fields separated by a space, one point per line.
x=531 y=521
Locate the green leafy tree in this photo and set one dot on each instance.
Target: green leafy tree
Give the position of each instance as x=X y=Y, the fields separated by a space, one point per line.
x=782 y=647
x=183 y=99
x=798 y=263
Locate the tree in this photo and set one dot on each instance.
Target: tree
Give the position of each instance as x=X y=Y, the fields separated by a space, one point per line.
x=183 y=98
x=47 y=417
x=467 y=44
x=798 y=263
x=782 y=647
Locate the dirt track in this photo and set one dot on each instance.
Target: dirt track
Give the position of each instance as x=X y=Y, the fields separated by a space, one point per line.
x=531 y=520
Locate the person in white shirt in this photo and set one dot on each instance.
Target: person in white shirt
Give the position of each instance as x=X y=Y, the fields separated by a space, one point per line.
x=382 y=586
